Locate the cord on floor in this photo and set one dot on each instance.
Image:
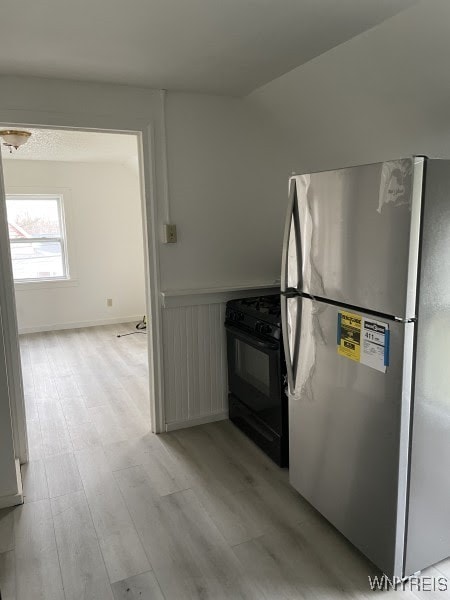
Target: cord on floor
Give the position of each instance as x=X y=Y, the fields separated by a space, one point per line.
x=140 y=326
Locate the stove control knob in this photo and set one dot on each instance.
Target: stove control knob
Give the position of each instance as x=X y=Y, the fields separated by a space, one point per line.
x=263 y=328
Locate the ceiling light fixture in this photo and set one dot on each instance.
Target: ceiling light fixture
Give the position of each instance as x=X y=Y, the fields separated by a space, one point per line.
x=13 y=138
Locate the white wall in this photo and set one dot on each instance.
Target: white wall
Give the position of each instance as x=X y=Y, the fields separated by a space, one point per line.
x=105 y=244
x=383 y=94
x=227 y=188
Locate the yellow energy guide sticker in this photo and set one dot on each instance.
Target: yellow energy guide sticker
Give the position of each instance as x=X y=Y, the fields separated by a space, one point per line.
x=349 y=335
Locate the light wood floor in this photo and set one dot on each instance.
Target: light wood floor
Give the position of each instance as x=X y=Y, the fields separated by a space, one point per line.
x=112 y=511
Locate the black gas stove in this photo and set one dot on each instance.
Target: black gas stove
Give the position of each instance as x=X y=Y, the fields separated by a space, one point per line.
x=257 y=373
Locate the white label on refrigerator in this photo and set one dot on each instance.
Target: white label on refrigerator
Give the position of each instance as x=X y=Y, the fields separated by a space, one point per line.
x=375 y=344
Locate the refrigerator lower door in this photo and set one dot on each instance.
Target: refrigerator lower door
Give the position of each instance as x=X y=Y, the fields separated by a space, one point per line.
x=349 y=430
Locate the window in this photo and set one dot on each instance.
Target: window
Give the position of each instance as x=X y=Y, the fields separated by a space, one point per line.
x=37 y=237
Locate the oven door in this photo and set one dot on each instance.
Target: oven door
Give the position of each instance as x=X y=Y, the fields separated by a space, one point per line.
x=254 y=375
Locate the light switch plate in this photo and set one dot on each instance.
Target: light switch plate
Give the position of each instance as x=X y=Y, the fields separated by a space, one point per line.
x=170 y=233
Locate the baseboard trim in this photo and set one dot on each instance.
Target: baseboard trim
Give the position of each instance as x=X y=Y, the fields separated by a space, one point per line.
x=80 y=324
x=14 y=499
x=198 y=421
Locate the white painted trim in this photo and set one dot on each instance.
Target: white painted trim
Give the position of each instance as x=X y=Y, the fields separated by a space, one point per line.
x=11 y=336
x=198 y=421
x=14 y=499
x=155 y=346
x=80 y=324
x=44 y=284
x=8 y=501
x=175 y=298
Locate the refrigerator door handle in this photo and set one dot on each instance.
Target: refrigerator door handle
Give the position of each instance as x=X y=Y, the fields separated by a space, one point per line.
x=291 y=218
x=290 y=354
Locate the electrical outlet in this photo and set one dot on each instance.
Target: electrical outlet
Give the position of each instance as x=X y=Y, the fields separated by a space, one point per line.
x=109 y=302
x=170 y=233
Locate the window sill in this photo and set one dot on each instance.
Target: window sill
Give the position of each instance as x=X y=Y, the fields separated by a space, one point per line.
x=45 y=284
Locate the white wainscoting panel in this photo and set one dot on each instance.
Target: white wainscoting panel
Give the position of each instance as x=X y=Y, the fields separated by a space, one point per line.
x=195 y=364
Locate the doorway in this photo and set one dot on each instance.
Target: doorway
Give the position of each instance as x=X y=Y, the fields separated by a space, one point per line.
x=69 y=341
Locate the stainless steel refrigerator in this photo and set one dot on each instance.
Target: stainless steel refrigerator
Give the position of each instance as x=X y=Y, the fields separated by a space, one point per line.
x=366 y=322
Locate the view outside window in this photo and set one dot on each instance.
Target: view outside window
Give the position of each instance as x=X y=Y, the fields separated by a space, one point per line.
x=36 y=234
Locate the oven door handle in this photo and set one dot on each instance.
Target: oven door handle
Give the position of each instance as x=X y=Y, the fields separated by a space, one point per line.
x=249 y=339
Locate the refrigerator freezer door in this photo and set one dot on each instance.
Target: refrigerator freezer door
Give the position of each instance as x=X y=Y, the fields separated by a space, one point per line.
x=359 y=235
x=349 y=428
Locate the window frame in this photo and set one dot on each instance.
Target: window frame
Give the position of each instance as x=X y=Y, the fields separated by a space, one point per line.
x=62 y=238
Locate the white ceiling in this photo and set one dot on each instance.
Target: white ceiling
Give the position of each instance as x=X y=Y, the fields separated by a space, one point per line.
x=218 y=46
x=75 y=146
